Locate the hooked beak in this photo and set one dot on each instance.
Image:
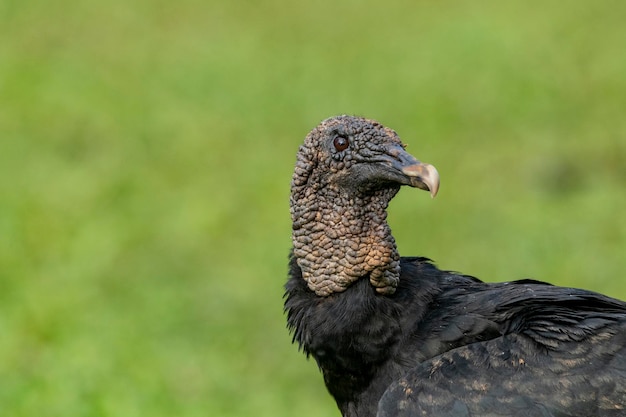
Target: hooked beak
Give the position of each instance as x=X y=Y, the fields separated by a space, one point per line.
x=417 y=174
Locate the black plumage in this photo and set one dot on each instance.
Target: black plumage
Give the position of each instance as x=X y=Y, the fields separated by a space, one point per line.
x=398 y=337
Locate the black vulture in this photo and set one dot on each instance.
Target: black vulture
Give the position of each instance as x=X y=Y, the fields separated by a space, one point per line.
x=396 y=336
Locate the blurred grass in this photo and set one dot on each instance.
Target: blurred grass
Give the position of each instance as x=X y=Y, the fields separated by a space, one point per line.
x=146 y=149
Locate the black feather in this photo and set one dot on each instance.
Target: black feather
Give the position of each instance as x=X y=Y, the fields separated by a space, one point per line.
x=449 y=345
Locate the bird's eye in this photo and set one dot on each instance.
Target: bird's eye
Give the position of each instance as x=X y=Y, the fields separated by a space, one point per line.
x=341 y=143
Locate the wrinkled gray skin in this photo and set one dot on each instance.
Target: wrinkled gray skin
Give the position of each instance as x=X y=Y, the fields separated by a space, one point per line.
x=339 y=199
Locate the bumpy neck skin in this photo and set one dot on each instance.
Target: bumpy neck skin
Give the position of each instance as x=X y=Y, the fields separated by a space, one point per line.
x=347 y=171
x=339 y=238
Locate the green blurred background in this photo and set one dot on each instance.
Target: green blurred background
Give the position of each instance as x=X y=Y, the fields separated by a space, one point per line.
x=146 y=149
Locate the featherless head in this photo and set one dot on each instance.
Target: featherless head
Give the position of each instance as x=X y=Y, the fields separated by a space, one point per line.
x=347 y=171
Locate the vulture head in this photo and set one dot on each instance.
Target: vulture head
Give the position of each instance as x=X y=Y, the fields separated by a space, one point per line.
x=347 y=171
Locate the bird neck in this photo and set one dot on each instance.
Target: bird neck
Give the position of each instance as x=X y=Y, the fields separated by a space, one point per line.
x=340 y=238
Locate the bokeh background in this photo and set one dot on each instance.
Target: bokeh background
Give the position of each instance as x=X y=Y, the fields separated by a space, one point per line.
x=146 y=149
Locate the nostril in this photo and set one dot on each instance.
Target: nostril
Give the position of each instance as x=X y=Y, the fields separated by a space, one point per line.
x=395 y=152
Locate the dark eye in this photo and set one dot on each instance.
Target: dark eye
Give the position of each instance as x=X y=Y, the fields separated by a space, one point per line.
x=341 y=143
